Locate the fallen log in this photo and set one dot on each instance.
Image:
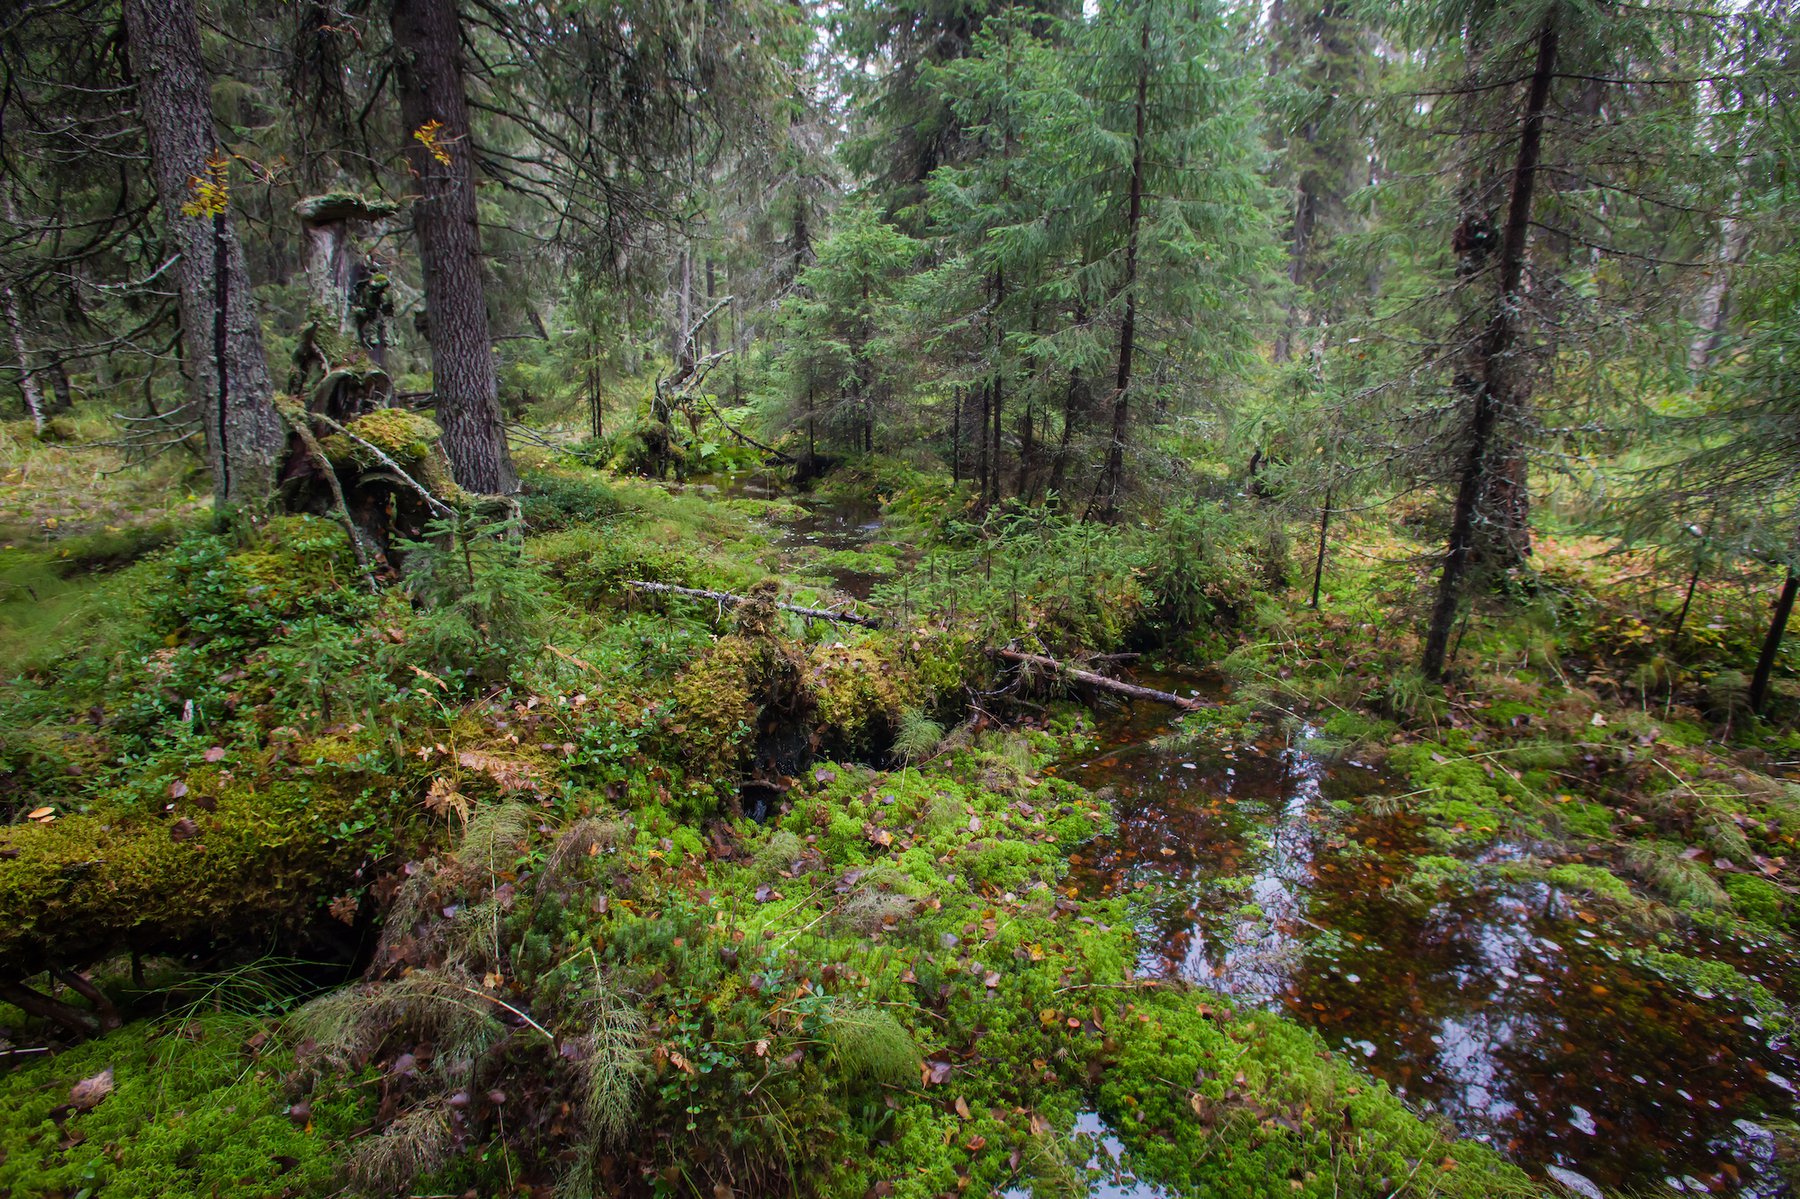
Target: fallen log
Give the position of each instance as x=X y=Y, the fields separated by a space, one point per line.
x=727 y=598
x=1099 y=681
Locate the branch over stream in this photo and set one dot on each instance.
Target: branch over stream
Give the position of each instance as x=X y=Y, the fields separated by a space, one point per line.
x=1098 y=681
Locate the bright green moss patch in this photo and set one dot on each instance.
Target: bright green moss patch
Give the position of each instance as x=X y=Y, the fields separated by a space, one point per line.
x=1758 y=901
x=233 y=859
x=196 y=1108
x=1709 y=979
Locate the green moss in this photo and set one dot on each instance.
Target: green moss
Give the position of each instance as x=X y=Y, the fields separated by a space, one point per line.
x=238 y=856
x=400 y=433
x=1432 y=875
x=1758 y=901
x=1720 y=979
x=1594 y=880
x=193 y=1111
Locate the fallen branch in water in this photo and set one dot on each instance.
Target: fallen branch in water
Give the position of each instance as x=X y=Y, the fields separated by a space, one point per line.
x=730 y=600
x=1098 y=681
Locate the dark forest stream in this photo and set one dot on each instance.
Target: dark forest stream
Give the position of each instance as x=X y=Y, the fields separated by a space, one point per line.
x=1507 y=1008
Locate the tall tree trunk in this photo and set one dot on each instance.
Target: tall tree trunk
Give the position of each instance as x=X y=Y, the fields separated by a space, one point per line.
x=59 y=387
x=428 y=54
x=1502 y=530
x=1059 y=466
x=1771 y=648
x=1319 y=560
x=1027 y=450
x=956 y=436
x=222 y=346
x=28 y=386
x=682 y=350
x=981 y=467
x=15 y=327
x=1113 y=479
x=712 y=328
x=1306 y=206
x=1501 y=392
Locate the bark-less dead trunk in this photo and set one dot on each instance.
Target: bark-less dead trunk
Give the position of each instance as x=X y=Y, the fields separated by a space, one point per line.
x=228 y=375
x=1733 y=234
x=428 y=54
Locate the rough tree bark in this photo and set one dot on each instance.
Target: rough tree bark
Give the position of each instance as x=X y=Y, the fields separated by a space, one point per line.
x=28 y=385
x=428 y=61
x=1502 y=529
x=1501 y=392
x=221 y=335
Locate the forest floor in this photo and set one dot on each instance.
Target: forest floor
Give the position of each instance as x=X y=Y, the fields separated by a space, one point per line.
x=647 y=894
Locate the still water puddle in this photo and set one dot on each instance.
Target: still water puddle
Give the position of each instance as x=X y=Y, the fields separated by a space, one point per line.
x=1259 y=873
x=820 y=524
x=1107 y=1174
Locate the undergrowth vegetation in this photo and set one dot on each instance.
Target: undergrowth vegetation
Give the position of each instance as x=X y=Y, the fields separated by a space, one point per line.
x=508 y=789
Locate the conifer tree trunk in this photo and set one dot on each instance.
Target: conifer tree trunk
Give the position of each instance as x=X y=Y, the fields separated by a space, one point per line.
x=59 y=386
x=956 y=436
x=1134 y=213
x=428 y=52
x=1306 y=206
x=222 y=346
x=1771 y=648
x=1501 y=390
x=1060 y=464
x=1502 y=531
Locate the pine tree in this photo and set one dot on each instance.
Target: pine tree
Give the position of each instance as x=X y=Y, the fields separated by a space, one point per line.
x=434 y=106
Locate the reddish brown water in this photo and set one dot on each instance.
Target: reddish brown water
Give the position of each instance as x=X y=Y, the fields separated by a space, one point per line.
x=1499 y=1006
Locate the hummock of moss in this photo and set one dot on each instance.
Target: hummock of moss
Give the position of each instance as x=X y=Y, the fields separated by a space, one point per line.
x=405 y=436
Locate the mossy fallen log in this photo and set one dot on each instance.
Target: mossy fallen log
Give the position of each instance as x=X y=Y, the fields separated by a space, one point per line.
x=239 y=858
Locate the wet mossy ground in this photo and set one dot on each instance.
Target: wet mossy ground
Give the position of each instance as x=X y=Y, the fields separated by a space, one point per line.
x=887 y=987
